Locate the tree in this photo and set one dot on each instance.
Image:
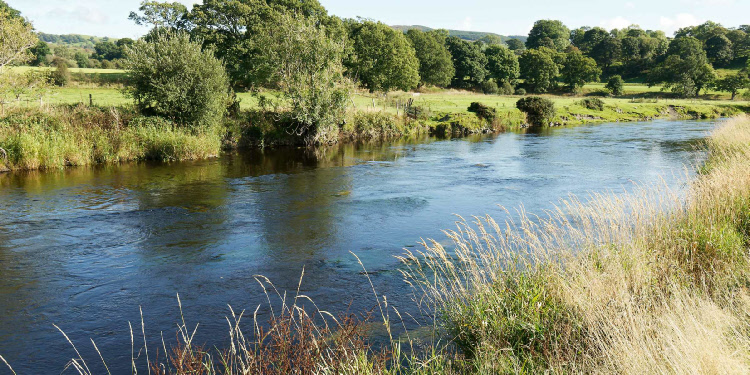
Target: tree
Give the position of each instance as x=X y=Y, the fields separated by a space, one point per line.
x=39 y=53
x=435 y=61
x=615 y=85
x=539 y=111
x=230 y=27
x=384 y=58
x=607 y=51
x=61 y=75
x=734 y=83
x=502 y=64
x=107 y=50
x=491 y=40
x=161 y=15
x=515 y=45
x=578 y=70
x=719 y=50
x=539 y=69
x=82 y=60
x=591 y=38
x=7 y=11
x=469 y=61
x=16 y=38
x=686 y=70
x=307 y=66
x=549 y=33
x=173 y=77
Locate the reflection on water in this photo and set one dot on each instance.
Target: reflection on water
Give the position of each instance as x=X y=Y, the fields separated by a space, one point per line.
x=85 y=247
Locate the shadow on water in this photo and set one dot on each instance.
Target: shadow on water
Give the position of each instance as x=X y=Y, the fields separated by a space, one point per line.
x=85 y=247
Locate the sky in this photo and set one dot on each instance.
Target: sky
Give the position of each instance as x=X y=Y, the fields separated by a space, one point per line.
x=516 y=17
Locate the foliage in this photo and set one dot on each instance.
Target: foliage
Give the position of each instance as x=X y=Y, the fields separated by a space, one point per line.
x=384 y=59
x=39 y=53
x=61 y=75
x=230 y=28
x=161 y=15
x=173 y=77
x=307 y=66
x=549 y=33
x=521 y=91
x=483 y=112
x=539 y=69
x=502 y=64
x=578 y=70
x=686 y=69
x=539 y=111
x=489 y=87
x=515 y=45
x=435 y=61
x=16 y=38
x=734 y=83
x=595 y=104
x=615 y=85
x=719 y=50
x=469 y=61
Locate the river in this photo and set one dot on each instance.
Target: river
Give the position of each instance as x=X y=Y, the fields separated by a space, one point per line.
x=83 y=248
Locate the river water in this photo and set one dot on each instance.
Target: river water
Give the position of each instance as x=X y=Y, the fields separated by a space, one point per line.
x=83 y=248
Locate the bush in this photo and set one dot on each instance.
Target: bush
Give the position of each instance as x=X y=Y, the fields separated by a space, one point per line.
x=595 y=104
x=539 y=111
x=173 y=77
x=506 y=89
x=61 y=75
x=521 y=91
x=615 y=85
x=489 y=87
x=483 y=112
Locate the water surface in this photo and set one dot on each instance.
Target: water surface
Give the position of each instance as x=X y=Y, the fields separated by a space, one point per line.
x=85 y=247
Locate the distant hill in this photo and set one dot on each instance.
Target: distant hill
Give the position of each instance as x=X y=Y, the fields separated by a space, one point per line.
x=465 y=35
x=73 y=40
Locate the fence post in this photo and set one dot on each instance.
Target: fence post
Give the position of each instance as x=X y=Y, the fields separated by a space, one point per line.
x=91 y=100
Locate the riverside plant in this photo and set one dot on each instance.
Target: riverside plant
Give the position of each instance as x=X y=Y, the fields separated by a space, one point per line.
x=647 y=281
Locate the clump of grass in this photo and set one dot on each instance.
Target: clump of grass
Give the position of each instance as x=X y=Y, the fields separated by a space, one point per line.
x=75 y=136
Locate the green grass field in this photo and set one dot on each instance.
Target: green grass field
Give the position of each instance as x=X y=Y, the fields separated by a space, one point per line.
x=446 y=101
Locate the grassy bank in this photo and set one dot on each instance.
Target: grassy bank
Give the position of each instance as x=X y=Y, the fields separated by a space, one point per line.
x=652 y=281
x=66 y=131
x=62 y=136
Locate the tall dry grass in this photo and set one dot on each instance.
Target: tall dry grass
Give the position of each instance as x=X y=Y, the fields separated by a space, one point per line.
x=648 y=282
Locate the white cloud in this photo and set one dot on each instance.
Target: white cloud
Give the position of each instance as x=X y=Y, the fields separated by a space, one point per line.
x=615 y=23
x=468 y=24
x=670 y=25
x=81 y=13
x=630 y=5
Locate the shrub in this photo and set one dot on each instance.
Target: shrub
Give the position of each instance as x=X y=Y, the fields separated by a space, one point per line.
x=173 y=77
x=521 y=91
x=539 y=111
x=489 y=87
x=506 y=89
x=595 y=104
x=483 y=112
x=61 y=75
x=615 y=85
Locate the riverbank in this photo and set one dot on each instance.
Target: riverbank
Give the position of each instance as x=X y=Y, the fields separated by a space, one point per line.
x=57 y=136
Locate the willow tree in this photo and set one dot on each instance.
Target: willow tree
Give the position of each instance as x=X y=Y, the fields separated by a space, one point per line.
x=306 y=65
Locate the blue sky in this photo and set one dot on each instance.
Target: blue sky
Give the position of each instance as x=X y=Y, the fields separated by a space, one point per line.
x=109 y=17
